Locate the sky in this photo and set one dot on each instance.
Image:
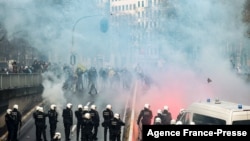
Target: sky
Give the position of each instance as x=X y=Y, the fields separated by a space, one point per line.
x=193 y=43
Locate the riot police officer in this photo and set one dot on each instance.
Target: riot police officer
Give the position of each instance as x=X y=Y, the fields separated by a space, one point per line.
x=40 y=120
x=96 y=119
x=34 y=117
x=17 y=122
x=78 y=115
x=166 y=116
x=159 y=115
x=53 y=119
x=86 y=128
x=67 y=120
x=85 y=110
x=9 y=123
x=107 y=116
x=115 y=128
x=180 y=114
x=145 y=115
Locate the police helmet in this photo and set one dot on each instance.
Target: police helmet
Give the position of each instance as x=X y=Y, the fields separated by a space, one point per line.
x=173 y=121
x=69 y=105
x=57 y=135
x=87 y=115
x=146 y=106
x=93 y=107
x=37 y=108
x=178 y=123
x=15 y=106
x=52 y=106
x=165 y=107
x=85 y=108
x=159 y=111
x=40 y=109
x=109 y=107
x=158 y=120
x=8 y=111
x=116 y=115
x=79 y=106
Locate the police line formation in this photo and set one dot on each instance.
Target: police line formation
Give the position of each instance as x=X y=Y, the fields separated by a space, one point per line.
x=88 y=122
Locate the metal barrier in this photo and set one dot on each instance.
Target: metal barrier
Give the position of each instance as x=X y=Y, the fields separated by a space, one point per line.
x=19 y=80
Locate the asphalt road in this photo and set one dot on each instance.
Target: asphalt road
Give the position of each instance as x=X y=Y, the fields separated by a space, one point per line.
x=117 y=98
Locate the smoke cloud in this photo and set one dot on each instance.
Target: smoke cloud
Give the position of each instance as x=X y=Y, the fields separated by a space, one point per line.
x=194 y=41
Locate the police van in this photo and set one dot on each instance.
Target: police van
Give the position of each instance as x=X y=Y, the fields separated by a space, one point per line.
x=215 y=112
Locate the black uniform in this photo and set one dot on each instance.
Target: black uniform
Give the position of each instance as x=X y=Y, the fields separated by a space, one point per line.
x=107 y=115
x=40 y=120
x=9 y=125
x=53 y=116
x=34 y=116
x=17 y=123
x=145 y=117
x=86 y=129
x=166 y=117
x=96 y=119
x=115 y=129
x=68 y=121
x=78 y=115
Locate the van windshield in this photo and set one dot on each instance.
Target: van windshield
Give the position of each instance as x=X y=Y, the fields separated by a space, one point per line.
x=241 y=122
x=207 y=120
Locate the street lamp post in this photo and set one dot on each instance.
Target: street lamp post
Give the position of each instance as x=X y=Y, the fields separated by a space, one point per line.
x=103 y=26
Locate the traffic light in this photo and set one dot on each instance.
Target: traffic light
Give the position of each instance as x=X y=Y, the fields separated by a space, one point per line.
x=104 y=25
x=72 y=59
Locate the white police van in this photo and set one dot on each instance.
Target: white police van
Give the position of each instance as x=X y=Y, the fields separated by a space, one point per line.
x=215 y=112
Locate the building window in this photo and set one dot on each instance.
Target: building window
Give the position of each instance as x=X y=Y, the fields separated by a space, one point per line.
x=134 y=7
x=142 y=3
x=139 y=3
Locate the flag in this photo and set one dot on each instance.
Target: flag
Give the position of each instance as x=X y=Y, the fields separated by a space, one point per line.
x=209 y=80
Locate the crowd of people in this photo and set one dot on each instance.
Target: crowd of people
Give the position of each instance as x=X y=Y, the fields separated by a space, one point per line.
x=88 y=123
x=106 y=77
x=36 y=67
